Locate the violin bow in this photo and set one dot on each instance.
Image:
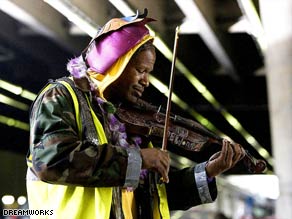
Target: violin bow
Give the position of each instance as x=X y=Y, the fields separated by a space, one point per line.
x=170 y=89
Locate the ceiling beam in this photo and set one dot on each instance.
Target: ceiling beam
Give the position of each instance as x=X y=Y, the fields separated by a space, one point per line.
x=42 y=19
x=199 y=14
x=256 y=28
x=83 y=13
x=98 y=10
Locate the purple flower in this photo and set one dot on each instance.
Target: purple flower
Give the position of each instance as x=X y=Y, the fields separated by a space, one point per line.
x=77 y=67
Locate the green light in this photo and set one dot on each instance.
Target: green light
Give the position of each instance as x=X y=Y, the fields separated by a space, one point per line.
x=250 y=139
x=232 y=121
x=28 y=95
x=204 y=122
x=14 y=123
x=158 y=43
x=158 y=84
x=10 y=87
x=263 y=153
x=10 y=122
x=17 y=90
x=14 y=103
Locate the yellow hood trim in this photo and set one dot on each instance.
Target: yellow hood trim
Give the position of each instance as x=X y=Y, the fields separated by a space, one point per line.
x=103 y=81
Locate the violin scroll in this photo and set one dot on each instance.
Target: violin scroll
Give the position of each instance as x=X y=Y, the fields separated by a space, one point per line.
x=253 y=165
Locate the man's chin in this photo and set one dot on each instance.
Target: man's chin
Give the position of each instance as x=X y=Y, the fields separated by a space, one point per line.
x=132 y=99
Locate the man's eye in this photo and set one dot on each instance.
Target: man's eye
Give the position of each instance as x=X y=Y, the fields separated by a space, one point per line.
x=141 y=70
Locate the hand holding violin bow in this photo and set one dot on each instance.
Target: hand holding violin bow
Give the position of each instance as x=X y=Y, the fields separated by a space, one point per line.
x=156 y=160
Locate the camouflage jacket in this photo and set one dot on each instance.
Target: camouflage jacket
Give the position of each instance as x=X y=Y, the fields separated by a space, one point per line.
x=61 y=156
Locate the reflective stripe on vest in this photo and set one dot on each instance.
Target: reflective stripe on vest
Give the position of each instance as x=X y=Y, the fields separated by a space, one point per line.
x=71 y=202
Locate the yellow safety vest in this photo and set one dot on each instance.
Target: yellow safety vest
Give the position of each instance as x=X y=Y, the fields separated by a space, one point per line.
x=76 y=202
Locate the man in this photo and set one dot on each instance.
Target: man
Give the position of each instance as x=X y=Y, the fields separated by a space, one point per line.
x=84 y=164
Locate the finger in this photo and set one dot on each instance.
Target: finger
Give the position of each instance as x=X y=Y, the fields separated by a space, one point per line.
x=237 y=152
x=166 y=165
x=165 y=176
x=165 y=159
x=224 y=149
x=160 y=168
x=227 y=152
x=160 y=163
x=215 y=156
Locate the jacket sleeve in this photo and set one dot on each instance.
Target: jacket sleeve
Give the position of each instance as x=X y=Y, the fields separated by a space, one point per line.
x=189 y=187
x=60 y=156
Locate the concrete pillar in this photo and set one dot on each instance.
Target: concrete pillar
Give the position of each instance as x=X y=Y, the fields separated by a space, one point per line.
x=277 y=21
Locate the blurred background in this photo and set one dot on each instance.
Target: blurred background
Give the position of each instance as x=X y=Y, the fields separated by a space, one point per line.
x=221 y=80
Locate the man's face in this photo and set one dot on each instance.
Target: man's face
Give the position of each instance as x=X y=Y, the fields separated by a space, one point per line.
x=130 y=85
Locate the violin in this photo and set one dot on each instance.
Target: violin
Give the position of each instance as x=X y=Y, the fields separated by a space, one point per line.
x=146 y=120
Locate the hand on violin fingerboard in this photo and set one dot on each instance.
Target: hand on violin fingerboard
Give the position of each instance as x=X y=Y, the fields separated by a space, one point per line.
x=224 y=159
x=156 y=160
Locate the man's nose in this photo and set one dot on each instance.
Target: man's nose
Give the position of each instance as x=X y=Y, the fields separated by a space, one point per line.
x=145 y=79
